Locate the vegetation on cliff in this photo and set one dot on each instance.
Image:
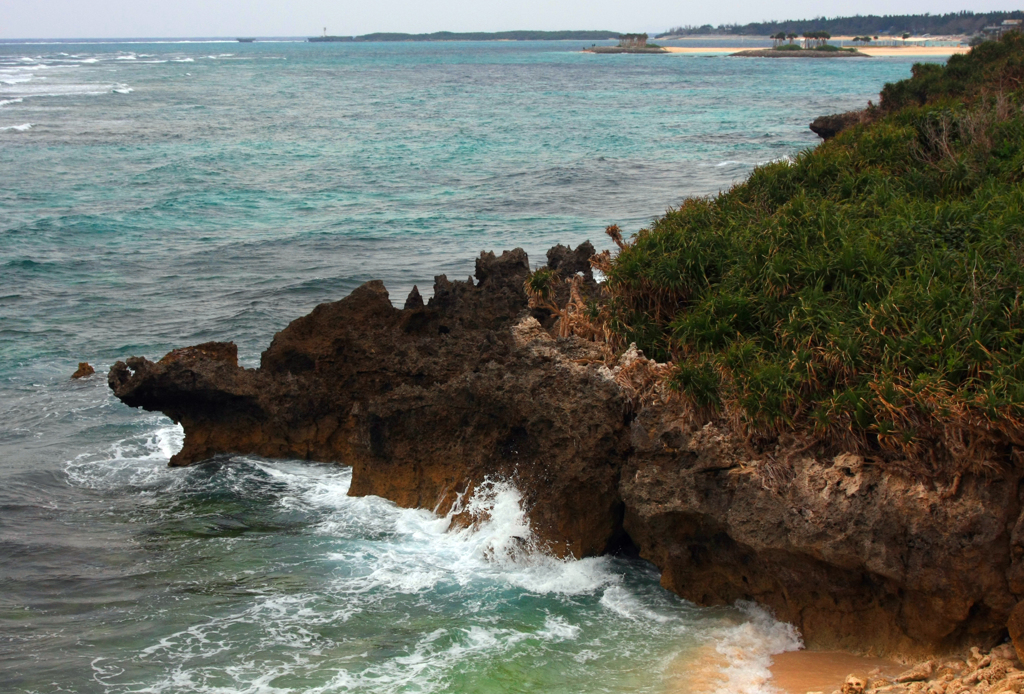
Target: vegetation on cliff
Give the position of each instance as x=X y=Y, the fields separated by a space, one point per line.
x=867 y=294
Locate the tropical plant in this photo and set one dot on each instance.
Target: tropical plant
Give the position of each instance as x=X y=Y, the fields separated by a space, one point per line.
x=869 y=294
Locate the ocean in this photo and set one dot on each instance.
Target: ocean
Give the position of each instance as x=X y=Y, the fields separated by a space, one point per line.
x=157 y=195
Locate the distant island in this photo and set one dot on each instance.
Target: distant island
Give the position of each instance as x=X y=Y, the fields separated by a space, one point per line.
x=628 y=43
x=953 y=23
x=475 y=36
x=816 y=46
x=799 y=52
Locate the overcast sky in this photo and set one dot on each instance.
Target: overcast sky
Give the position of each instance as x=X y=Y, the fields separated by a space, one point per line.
x=181 y=18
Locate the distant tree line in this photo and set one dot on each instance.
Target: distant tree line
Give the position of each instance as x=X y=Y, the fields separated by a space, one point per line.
x=811 y=38
x=478 y=36
x=952 y=23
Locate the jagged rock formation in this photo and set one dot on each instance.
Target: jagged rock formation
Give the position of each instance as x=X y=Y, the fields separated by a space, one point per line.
x=422 y=403
x=428 y=401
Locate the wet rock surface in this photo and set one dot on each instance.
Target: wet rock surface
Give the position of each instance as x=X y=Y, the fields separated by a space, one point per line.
x=429 y=401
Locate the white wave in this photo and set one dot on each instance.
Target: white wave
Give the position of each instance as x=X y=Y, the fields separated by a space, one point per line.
x=183 y=60
x=8 y=102
x=625 y=604
x=126 y=57
x=426 y=551
x=381 y=563
x=137 y=461
x=54 y=89
x=23 y=70
x=747 y=649
x=122 y=89
x=729 y=162
x=18 y=128
x=558 y=629
x=91 y=60
x=502 y=545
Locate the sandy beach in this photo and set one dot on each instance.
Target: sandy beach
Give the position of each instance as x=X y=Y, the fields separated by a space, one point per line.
x=799 y=672
x=878 y=51
x=793 y=672
x=889 y=51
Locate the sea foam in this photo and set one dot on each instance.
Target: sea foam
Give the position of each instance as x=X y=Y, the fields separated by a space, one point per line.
x=449 y=598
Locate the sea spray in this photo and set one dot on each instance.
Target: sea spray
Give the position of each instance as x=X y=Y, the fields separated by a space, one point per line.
x=462 y=606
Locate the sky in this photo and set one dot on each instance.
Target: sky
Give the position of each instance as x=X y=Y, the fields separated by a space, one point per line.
x=230 y=18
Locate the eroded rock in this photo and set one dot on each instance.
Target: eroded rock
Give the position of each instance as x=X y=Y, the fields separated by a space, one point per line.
x=424 y=403
x=84 y=370
x=429 y=401
x=857 y=557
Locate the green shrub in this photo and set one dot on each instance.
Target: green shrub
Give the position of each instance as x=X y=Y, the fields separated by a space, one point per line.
x=869 y=293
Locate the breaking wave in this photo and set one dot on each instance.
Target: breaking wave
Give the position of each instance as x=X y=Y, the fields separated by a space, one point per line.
x=370 y=597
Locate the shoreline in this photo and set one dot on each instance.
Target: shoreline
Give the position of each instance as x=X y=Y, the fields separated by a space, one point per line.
x=878 y=51
x=799 y=672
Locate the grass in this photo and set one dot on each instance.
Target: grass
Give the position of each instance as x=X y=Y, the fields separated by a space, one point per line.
x=868 y=294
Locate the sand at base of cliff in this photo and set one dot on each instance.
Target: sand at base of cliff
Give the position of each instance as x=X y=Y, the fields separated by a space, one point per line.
x=799 y=672
x=881 y=51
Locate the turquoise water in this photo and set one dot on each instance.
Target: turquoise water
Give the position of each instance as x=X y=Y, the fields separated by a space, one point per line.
x=158 y=195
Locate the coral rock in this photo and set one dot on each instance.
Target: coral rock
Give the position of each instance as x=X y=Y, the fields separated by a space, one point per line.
x=84 y=369
x=423 y=403
x=921 y=672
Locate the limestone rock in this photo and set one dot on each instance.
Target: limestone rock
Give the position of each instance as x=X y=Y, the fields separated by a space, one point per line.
x=918 y=673
x=84 y=370
x=857 y=557
x=424 y=403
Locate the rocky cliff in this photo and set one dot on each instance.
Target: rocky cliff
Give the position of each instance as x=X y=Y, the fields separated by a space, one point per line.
x=859 y=557
x=423 y=402
x=428 y=401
